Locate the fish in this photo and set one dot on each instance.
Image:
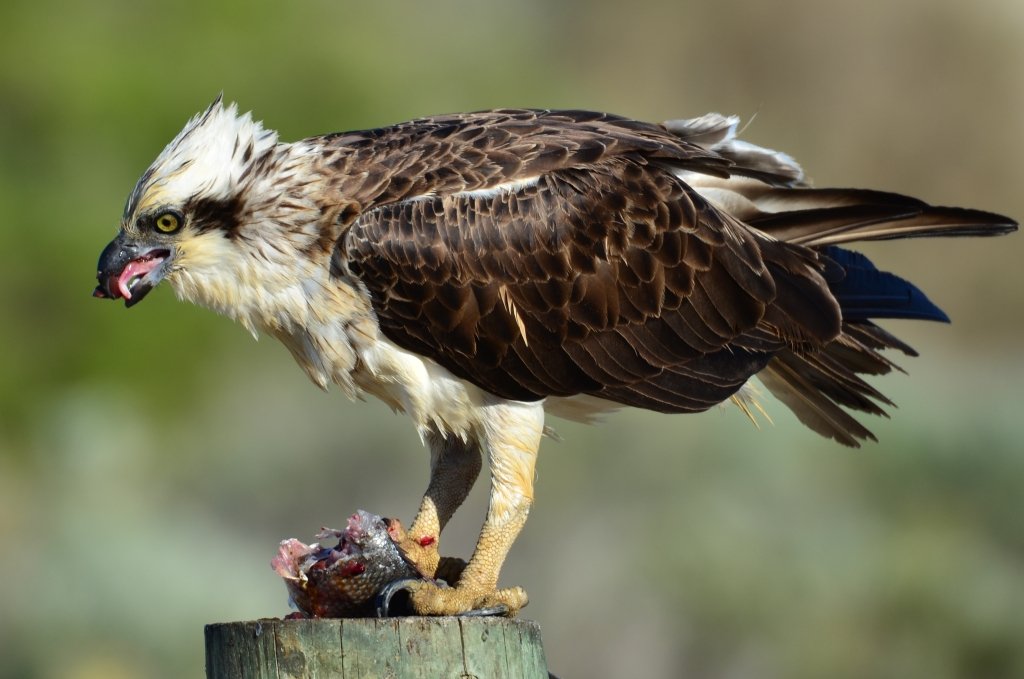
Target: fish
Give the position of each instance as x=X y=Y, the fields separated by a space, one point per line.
x=342 y=581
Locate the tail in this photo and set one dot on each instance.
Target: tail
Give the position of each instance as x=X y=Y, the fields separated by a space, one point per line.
x=769 y=192
x=820 y=387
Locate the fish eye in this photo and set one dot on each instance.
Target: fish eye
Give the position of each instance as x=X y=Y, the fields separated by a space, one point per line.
x=167 y=222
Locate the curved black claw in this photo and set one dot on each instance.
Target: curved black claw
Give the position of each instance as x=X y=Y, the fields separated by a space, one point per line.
x=388 y=592
x=493 y=611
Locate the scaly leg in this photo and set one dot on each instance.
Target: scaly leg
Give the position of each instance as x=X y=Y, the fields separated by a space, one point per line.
x=511 y=434
x=454 y=467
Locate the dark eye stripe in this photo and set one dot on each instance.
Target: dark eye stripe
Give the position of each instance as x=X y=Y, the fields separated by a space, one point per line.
x=208 y=214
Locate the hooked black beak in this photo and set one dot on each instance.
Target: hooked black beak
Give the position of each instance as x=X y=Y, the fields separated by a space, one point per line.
x=129 y=269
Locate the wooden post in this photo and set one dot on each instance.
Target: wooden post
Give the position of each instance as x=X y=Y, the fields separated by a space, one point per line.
x=370 y=648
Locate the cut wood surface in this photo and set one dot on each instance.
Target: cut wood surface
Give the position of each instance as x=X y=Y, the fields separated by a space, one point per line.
x=365 y=648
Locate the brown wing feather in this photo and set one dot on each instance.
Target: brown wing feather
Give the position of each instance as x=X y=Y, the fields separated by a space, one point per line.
x=470 y=151
x=609 y=275
x=621 y=282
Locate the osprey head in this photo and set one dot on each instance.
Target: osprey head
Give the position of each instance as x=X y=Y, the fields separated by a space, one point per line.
x=186 y=206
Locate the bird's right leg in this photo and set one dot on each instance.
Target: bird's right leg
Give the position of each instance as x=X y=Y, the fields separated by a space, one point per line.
x=454 y=467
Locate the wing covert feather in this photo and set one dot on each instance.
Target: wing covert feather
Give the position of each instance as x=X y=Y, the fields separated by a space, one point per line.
x=615 y=280
x=554 y=253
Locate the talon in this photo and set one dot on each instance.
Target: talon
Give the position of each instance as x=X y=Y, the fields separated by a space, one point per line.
x=493 y=611
x=428 y=597
x=388 y=592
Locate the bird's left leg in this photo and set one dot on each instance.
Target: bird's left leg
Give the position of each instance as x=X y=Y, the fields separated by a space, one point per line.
x=511 y=434
x=454 y=466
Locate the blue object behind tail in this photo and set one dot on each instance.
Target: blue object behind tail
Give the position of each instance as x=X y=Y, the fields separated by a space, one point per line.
x=864 y=292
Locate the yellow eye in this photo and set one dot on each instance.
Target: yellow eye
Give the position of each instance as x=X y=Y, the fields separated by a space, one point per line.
x=167 y=222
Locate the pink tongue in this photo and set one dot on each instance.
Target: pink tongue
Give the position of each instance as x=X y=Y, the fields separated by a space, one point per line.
x=136 y=267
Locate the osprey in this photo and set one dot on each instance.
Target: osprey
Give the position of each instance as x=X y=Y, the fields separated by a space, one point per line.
x=477 y=271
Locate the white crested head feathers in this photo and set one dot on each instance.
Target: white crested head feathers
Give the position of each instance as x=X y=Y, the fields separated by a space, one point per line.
x=206 y=159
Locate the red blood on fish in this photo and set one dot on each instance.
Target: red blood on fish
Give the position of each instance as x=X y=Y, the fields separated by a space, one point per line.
x=427 y=540
x=352 y=568
x=343 y=581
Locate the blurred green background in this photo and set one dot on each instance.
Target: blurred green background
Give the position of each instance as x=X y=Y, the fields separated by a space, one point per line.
x=151 y=460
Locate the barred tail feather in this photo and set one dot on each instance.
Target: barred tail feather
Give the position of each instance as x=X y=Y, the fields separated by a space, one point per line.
x=768 y=191
x=818 y=217
x=820 y=387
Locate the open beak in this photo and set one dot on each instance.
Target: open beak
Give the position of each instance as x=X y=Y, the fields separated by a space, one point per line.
x=130 y=269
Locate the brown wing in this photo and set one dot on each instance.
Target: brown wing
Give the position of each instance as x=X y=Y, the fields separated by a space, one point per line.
x=470 y=151
x=608 y=275
x=609 y=278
